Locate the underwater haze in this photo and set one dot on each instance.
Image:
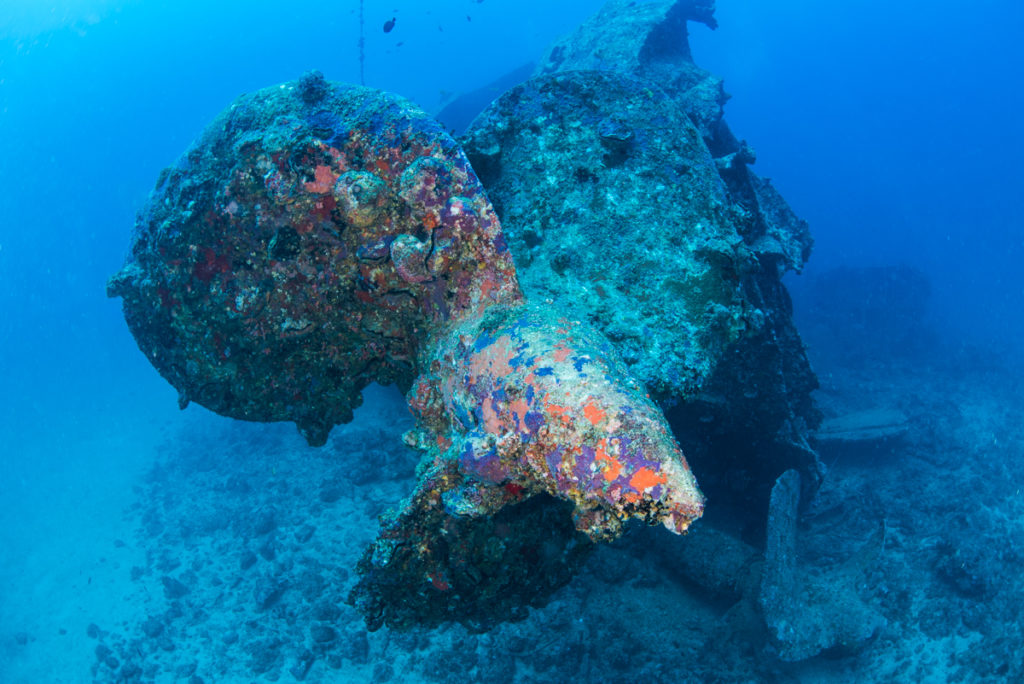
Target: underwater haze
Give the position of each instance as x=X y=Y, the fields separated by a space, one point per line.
x=860 y=453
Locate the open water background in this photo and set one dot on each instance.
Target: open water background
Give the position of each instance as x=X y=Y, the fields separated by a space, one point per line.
x=892 y=127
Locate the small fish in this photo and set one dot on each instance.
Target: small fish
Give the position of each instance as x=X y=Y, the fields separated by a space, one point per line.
x=389 y=24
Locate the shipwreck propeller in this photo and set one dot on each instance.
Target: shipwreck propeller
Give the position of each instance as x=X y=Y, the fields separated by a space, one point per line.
x=320 y=237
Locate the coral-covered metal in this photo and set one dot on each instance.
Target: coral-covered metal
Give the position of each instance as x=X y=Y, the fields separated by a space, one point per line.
x=320 y=237
x=525 y=402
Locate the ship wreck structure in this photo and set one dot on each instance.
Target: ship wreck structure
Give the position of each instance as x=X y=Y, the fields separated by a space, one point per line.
x=593 y=282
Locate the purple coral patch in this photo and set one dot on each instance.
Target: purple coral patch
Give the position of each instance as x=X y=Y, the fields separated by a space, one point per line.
x=534 y=420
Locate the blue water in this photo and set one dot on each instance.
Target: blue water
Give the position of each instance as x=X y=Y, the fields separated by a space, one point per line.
x=893 y=128
x=890 y=128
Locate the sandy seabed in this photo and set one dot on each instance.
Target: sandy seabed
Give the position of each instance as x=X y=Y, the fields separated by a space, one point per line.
x=191 y=548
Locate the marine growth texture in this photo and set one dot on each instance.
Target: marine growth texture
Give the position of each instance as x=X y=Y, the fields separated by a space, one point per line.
x=319 y=237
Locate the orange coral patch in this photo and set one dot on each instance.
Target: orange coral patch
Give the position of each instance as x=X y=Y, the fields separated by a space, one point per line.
x=593 y=413
x=494 y=359
x=562 y=353
x=486 y=287
x=492 y=423
x=324 y=180
x=520 y=408
x=612 y=466
x=645 y=478
x=557 y=410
